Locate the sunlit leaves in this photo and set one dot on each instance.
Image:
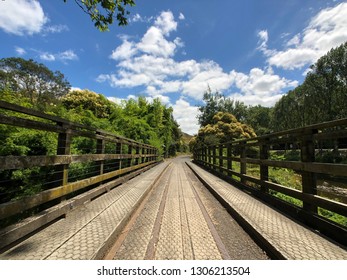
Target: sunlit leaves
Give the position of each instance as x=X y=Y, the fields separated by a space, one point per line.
x=103 y=12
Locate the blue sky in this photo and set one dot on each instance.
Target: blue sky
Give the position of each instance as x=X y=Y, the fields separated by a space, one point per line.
x=250 y=50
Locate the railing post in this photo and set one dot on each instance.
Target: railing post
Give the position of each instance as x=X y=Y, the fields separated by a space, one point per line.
x=146 y=154
x=264 y=169
x=156 y=154
x=142 y=151
x=229 y=161
x=64 y=148
x=204 y=159
x=209 y=157
x=243 y=164
x=221 y=158
x=130 y=151
x=214 y=148
x=309 y=179
x=100 y=149
x=137 y=155
x=119 y=152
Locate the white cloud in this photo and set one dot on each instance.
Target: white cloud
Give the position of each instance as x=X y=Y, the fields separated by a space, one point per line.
x=154 y=43
x=181 y=16
x=138 y=18
x=260 y=87
x=55 y=29
x=326 y=30
x=166 y=22
x=261 y=83
x=264 y=37
x=150 y=63
x=295 y=41
x=251 y=99
x=124 y=51
x=75 y=89
x=185 y=114
x=120 y=101
x=47 y=56
x=21 y=17
x=61 y=56
x=20 y=51
x=163 y=99
x=67 y=55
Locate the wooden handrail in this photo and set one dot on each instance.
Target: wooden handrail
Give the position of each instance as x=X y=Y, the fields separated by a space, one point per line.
x=220 y=159
x=138 y=156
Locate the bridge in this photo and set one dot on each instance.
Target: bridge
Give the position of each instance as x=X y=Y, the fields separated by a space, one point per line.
x=120 y=200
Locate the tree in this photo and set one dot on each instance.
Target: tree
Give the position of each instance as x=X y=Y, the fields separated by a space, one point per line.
x=89 y=100
x=259 y=118
x=224 y=128
x=102 y=12
x=322 y=96
x=32 y=81
x=213 y=104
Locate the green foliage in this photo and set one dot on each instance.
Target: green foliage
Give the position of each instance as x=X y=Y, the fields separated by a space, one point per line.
x=322 y=97
x=258 y=117
x=32 y=85
x=102 y=12
x=224 y=128
x=88 y=100
x=151 y=123
x=342 y=220
x=31 y=82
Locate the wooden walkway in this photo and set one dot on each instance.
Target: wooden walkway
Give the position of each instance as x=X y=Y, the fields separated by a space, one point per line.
x=167 y=213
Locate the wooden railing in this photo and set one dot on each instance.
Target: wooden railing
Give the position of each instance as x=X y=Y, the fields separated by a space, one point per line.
x=114 y=159
x=251 y=164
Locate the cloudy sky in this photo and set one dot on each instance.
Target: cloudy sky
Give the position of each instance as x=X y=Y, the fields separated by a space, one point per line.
x=250 y=50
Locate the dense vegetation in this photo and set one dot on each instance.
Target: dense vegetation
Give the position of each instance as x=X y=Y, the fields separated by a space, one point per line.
x=33 y=85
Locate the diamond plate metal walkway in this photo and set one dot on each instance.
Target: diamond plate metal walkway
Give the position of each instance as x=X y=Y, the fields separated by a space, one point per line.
x=166 y=213
x=287 y=239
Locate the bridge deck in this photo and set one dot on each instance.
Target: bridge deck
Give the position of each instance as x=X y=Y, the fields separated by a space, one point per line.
x=284 y=237
x=166 y=213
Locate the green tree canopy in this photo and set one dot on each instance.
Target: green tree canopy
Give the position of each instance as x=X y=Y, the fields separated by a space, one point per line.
x=32 y=81
x=258 y=117
x=224 y=128
x=321 y=97
x=89 y=100
x=103 y=12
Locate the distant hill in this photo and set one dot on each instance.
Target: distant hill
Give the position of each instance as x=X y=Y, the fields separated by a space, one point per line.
x=186 y=138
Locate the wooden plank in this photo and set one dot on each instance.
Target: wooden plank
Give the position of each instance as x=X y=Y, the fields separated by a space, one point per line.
x=25 y=123
x=285 y=190
x=37 y=125
x=21 y=162
x=35 y=113
x=331 y=205
x=326 y=168
x=316 y=167
x=88 y=131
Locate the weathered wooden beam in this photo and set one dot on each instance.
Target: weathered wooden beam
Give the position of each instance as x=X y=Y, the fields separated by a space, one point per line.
x=35 y=113
x=21 y=162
